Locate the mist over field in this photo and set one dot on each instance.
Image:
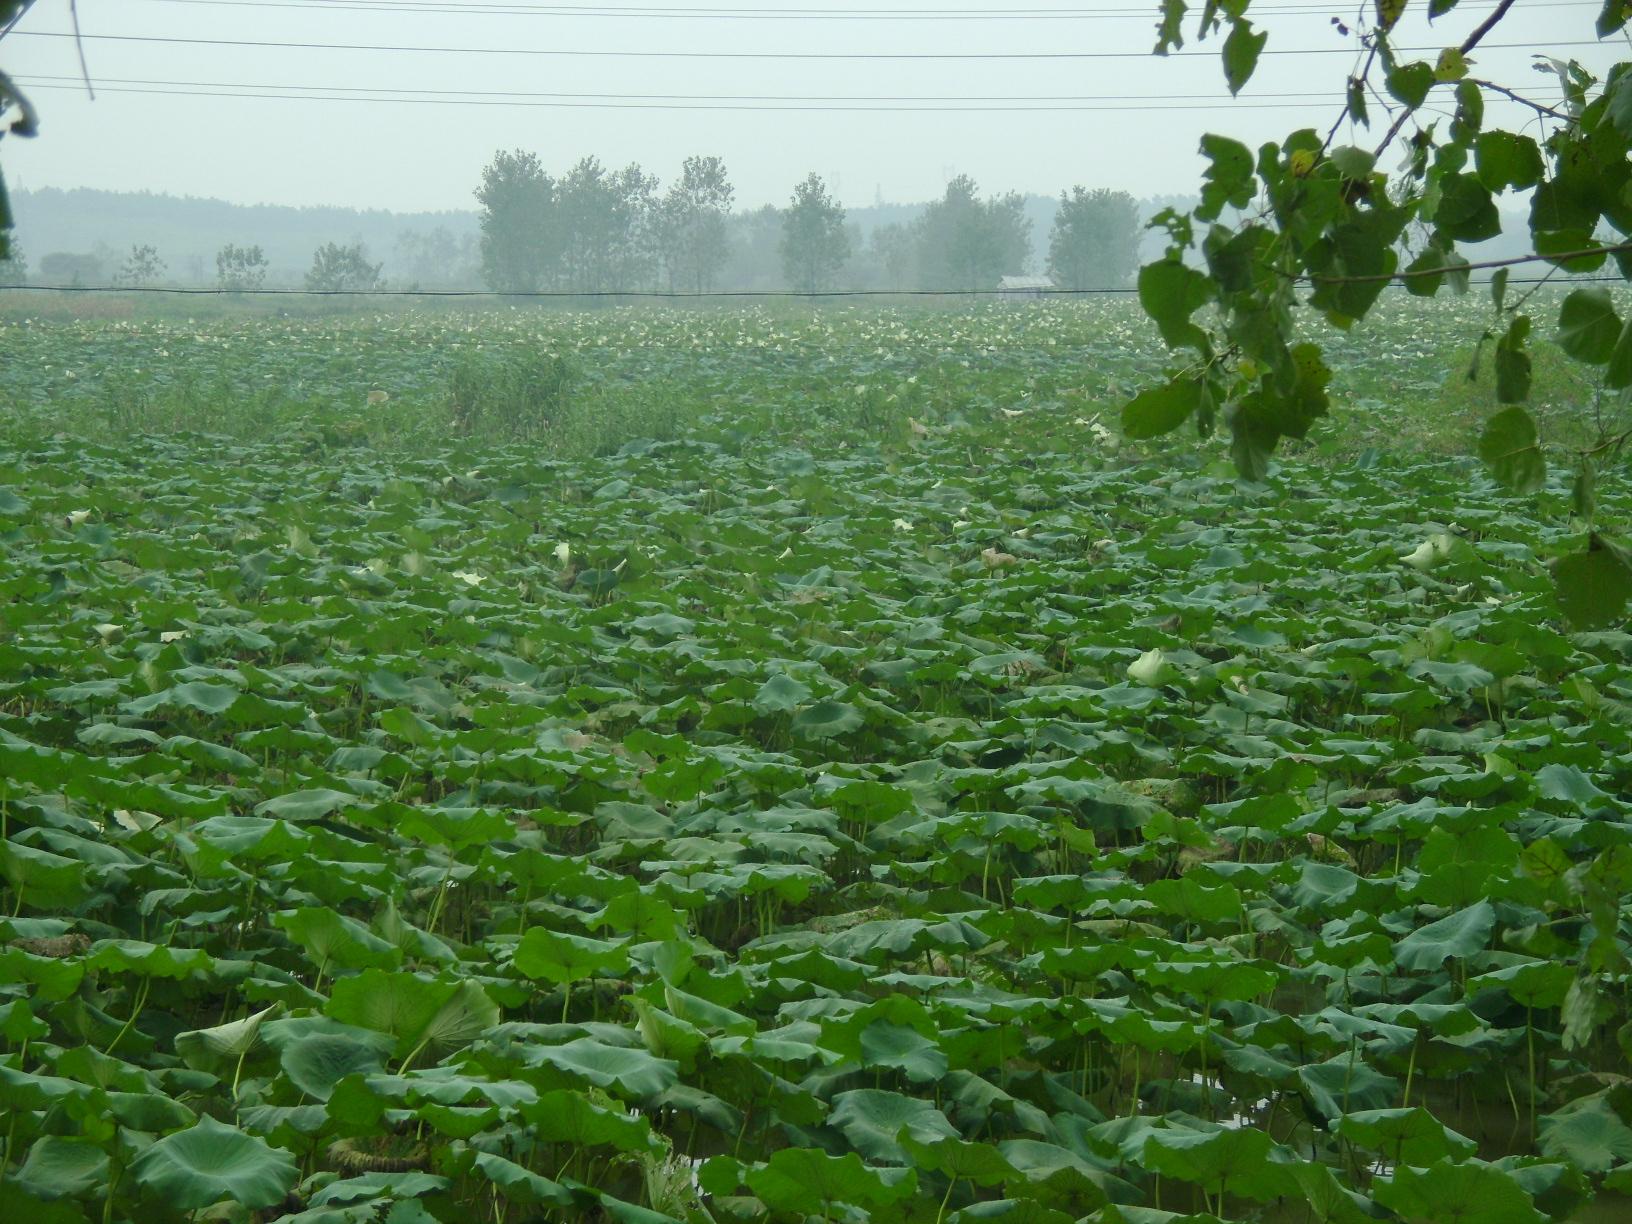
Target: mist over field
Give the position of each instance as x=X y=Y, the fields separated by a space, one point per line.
x=815 y=613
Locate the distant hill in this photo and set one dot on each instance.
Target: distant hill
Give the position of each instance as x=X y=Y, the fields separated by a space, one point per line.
x=188 y=232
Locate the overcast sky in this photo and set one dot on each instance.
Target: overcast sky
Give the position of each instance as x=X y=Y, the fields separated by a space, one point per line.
x=1136 y=128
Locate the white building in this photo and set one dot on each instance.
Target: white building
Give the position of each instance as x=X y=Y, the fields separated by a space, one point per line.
x=1014 y=288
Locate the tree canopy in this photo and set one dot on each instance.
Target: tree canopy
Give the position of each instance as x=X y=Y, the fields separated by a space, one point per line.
x=814 y=241
x=1315 y=222
x=1095 y=241
x=17 y=118
x=966 y=242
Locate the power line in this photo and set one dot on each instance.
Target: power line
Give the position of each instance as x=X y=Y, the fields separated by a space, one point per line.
x=556 y=294
x=663 y=294
x=638 y=102
x=649 y=12
x=1307 y=95
x=580 y=52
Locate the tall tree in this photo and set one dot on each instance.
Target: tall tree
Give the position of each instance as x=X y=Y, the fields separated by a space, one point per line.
x=752 y=258
x=14 y=265
x=965 y=242
x=605 y=227
x=141 y=267
x=342 y=269
x=238 y=268
x=520 y=241
x=690 y=225
x=73 y=268
x=892 y=250
x=1095 y=240
x=814 y=241
x=434 y=259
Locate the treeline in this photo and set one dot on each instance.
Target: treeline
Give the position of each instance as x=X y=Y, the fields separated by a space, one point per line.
x=592 y=229
x=598 y=230
x=335 y=267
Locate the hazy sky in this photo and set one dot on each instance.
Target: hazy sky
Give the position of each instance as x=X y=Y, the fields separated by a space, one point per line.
x=1136 y=128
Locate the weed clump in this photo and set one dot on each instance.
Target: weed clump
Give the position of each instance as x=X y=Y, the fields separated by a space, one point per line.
x=519 y=396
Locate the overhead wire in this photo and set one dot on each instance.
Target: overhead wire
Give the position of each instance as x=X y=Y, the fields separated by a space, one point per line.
x=681 y=102
x=626 y=53
x=670 y=295
x=1305 y=8
x=1132 y=99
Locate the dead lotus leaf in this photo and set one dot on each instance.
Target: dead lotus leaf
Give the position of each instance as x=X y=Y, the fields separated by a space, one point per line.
x=57 y=947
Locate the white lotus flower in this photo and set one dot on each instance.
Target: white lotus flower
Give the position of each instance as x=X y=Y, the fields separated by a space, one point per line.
x=1149 y=668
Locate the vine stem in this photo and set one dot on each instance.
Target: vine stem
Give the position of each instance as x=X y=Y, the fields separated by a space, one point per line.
x=1540 y=108
x=1482 y=265
x=1348 y=107
x=1468 y=44
x=140 y=1002
x=79 y=46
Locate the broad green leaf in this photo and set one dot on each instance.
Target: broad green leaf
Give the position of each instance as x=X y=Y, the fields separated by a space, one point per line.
x=780 y=694
x=1242 y=48
x=224 y=1043
x=61 y=1167
x=1345 y=1083
x=1513 y=364
x=212 y=1162
x=1403 y=1136
x=1588 y=1133
x=1235 y=1161
x=1409 y=83
x=331 y=939
x=826 y=719
x=1159 y=410
x=1508 y=159
x=1456 y=936
x=317 y=1062
x=416 y=1011
x=519 y=1184
x=805 y=1182
x=1510 y=450
x=897 y=1047
x=1588 y=326
x=1170 y=292
x=560 y=957
x=367 y=1186
x=871 y=1119
x=634 y=1073
x=1456 y=1192
x=1228 y=177
x=1593 y=586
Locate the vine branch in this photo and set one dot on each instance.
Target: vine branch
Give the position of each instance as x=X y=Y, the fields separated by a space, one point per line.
x=79 y=45
x=1409 y=274
x=1468 y=44
x=1348 y=105
x=1539 y=107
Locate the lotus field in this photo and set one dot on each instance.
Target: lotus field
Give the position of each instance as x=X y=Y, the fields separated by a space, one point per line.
x=734 y=767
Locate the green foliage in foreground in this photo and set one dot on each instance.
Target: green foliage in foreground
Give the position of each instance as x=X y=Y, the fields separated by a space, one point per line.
x=940 y=831
x=818 y=376
x=1312 y=224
